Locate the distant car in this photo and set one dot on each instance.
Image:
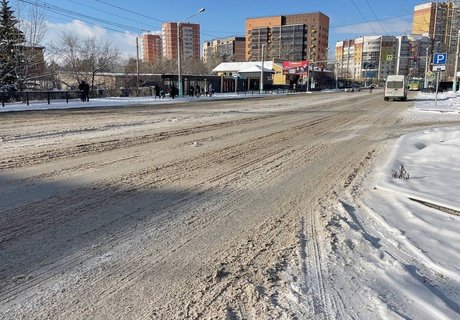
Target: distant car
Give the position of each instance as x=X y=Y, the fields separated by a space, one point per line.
x=352 y=88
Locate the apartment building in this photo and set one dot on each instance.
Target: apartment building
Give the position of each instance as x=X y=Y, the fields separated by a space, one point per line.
x=367 y=59
x=152 y=48
x=373 y=58
x=345 y=58
x=230 y=49
x=294 y=37
x=189 y=36
x=439 y=21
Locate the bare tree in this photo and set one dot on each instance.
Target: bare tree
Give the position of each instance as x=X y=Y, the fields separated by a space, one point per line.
x=213 y=60
x=33 y=24
x=192 y=66
x=66 y=51
x=97 y=56
x=84 y=56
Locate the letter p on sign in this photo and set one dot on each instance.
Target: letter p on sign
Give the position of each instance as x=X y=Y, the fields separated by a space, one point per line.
x=440 y=58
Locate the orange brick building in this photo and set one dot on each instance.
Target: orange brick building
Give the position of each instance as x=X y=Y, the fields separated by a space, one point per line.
x=302 y=36
x=151 y=48
x=190 y=34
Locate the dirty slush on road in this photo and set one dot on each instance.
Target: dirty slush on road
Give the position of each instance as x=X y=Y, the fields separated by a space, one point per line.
x=205 y=210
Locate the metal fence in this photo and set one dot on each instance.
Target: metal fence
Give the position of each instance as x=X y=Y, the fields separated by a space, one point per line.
x=53 y=95
x=28 y=97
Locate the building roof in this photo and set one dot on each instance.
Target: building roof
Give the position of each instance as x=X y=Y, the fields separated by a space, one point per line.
x=244 y=67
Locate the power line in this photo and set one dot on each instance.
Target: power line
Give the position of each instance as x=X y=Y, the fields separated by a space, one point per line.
x=110 y=25
x=375 y=16
x=383 y=19
x=83 y=17
x=133 y=12
x=104 y=11
x=361 y=13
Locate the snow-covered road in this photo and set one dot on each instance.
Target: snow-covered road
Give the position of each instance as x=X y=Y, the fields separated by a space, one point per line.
x=268 y=208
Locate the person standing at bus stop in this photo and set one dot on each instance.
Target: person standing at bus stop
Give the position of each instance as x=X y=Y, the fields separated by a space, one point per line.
x=210 y=90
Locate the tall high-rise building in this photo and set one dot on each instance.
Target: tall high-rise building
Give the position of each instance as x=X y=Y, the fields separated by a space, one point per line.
x=439 y=21
x=152 y=48
x=430 y=19
x=302 y=36
x=228 y=50
x=190 y=38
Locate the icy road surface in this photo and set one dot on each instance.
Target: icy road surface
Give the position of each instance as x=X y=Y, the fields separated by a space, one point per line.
x=245 y=209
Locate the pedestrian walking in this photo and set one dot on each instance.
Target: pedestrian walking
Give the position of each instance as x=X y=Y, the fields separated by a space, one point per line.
x=191 y=91
x=370 y=88
x=198 y=91
x=157 y=92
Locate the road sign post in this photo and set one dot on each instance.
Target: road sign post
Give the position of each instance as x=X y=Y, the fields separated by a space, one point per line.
x=437 y=90
x=439 y=64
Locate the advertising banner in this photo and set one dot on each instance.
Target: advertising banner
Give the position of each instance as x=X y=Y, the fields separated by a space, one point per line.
x=295 y=67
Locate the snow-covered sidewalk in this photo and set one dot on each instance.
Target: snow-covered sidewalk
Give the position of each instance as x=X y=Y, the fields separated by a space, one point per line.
x=120 y=101
x=407 y=248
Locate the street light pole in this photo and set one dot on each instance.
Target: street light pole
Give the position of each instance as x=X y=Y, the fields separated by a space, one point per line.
x=179 y=54
x=137 y=65
x=425 y=82
x=454 y=86
x=179 y=62
x=261 y=82
x=336 y=75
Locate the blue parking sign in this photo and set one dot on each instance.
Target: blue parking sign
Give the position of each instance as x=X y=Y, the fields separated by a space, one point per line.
x=440 y=58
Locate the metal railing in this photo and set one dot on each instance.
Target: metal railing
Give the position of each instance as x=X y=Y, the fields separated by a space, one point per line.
x=65 y=95
x=28 y=96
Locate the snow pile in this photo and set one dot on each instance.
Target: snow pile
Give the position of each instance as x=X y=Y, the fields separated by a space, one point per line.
x=431 y=160
x=446 y=102
x=413 y=263
x=392 y=249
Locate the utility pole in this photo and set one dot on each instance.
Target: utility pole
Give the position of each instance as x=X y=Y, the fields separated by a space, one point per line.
x=261 y=82
x=179 y=54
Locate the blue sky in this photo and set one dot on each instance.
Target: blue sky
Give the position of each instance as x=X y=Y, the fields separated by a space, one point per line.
x=348 y=18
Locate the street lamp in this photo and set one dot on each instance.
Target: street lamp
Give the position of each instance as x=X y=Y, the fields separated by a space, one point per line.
x=454 y=86
x=261 y=82
x=179 y=53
